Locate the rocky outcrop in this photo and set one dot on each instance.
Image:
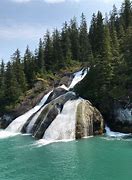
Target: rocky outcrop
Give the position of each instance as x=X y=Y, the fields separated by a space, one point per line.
x=66 y=79
x=89 y=121
x=5 y=120
x=120 y=116
x=56 y=93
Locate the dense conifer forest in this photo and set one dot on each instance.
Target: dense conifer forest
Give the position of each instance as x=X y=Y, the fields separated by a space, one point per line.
x=106 y=47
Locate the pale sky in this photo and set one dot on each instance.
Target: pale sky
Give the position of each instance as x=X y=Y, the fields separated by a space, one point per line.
x=23 y=22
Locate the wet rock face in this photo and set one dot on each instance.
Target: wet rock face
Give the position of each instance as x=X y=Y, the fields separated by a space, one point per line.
x=122 y=117
x=66 y=80
x=44 y=122
x=56 y=93
x=5 y=120
x=89 y=121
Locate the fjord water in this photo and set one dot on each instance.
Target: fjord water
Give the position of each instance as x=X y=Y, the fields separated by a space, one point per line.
x=95 y=158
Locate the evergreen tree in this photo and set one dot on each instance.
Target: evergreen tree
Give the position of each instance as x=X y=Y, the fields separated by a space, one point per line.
x=2 y=84
x=40 y=58
x=18 y=70
x=126 y=13
x=12 y=87
x=127 y=56
x=96 y=34
x=48 y=52
x=85 y=47
x=114 y=19
x=66 y=44
x=29 y=67
x=57 y=50
x=74 y=38
x=92 y=33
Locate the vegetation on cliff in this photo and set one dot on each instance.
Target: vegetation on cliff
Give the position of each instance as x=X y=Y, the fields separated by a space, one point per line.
x=110 y=75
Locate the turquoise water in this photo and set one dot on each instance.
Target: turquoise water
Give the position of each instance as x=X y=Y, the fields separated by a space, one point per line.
x=87 y=159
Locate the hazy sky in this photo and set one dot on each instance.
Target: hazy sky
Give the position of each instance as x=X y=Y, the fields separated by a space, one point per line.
x=23 y=22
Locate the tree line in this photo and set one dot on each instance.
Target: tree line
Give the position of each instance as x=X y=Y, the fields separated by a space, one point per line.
x=106 y=47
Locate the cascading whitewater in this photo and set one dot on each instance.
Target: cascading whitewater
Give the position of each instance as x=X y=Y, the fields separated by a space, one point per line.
x=18 y=123
x=78 y=76
x=64 y=125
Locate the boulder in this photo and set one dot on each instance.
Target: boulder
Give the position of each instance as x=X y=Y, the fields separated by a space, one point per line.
x=89 y=121
x=56 y=93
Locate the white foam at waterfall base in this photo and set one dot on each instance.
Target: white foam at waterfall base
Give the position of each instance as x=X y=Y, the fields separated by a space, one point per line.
x=18 y=123
x=5 y=134
x=44 y=142
x=78 y=76
x=112 y=134
x=64 y=126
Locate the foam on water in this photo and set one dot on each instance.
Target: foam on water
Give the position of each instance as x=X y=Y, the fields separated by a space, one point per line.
x=44 y=142
x=112 y=134
x=6 y=134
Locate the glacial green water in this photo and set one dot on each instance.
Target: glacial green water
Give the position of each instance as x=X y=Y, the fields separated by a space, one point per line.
x=87 y=159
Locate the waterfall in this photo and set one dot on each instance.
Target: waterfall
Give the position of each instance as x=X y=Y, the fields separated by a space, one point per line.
x=64 y=125
x=78 y=76
x=18 y=123
x=30 y=125
x=112 y=134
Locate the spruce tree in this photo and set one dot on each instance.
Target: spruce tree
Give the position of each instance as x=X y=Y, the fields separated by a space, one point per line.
x=12 y=87
x=18 y=69
x=2 y=84
x=85 y=47
x=126 y=13
x=57 y=50
x=66 y=44
x=96 y=34
x=48 y=52
x=74 y=38
x=29 y=67
x=40 y=58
